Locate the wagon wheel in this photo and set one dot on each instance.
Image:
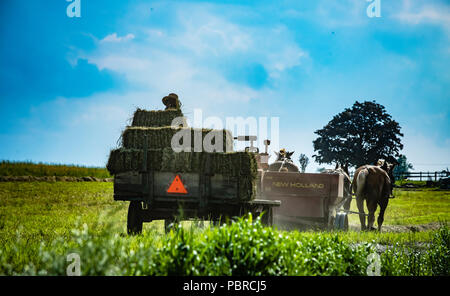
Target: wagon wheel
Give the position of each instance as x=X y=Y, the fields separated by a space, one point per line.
x=348 y=203
x=267 y=218
x=345 y=224
x=134 y=221
x=220 y=221
x=168 y=224
x=331 y=222
x=341 y=221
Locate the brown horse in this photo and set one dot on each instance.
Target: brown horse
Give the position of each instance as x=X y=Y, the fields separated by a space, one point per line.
x=372 y=183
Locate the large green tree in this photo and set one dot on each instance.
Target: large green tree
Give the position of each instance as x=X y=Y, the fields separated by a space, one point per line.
x=359 y=135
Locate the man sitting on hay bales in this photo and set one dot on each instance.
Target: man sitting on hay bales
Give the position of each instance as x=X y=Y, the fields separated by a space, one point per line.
x=171 y=101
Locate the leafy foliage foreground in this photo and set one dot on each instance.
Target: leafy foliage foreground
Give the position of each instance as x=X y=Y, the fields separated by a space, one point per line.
x=244 y=247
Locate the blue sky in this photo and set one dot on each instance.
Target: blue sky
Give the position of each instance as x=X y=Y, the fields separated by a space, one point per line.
x=69 y=85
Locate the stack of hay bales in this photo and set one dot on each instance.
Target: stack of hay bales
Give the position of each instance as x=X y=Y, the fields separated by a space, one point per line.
x=154 y=127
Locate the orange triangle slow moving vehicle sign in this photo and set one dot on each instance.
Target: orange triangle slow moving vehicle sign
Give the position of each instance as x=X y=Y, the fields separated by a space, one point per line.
x=177 y=186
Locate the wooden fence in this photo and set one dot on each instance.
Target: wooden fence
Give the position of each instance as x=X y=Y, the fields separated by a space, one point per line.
x=423 y=176
x=420 y=176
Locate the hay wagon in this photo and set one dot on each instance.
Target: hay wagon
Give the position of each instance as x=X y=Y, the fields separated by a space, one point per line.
x=162 y=184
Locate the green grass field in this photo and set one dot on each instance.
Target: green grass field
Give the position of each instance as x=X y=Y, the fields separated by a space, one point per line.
x=11 y=168
x=40 y=223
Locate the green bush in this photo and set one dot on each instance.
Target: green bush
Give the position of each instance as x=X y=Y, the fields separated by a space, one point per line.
x=245 y=247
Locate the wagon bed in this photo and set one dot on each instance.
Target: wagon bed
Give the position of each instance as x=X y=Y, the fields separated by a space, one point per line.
x=170 y=196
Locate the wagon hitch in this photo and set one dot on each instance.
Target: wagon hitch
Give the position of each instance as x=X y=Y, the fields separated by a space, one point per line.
x=352 y=212
x=339 y=206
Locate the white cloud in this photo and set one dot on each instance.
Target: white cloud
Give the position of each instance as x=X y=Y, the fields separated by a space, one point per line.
x=287 y=57
x=435 y=14
x=114 y=38
x=205 y=33
x=426 y=15
x=343 y=13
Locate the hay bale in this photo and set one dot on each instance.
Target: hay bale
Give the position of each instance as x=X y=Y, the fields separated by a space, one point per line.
x=247 y=188
x=125 y=160
x=161 y=137
x=233 y=164
x=156 y=118
x=181 y=161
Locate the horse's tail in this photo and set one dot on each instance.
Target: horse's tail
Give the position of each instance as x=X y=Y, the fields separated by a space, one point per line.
x=359 y=182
